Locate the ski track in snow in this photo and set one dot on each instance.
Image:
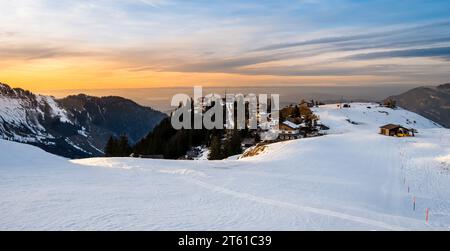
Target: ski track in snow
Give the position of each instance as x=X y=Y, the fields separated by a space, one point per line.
x=313 y=210
x=352 y=179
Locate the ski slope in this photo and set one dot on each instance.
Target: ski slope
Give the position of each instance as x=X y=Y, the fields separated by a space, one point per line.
x=351 y=179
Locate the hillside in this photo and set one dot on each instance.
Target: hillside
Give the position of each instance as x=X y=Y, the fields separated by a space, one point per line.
x=75 y=126
x=430 y=102
x=351 y=179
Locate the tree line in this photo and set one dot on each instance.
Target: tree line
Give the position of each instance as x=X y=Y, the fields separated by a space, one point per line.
x=173 y=144
x=118 y=147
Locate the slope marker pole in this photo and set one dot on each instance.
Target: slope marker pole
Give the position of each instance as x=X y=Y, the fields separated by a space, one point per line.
x=426 y=217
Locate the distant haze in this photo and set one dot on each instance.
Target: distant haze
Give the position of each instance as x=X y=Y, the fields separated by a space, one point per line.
x=159 y=98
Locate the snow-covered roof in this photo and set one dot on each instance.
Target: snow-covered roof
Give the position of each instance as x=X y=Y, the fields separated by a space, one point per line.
x=291 y=125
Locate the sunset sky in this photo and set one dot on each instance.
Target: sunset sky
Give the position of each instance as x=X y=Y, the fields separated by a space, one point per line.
x=99 y=44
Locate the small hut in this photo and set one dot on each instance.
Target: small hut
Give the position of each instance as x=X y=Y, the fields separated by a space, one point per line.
x=396 y=130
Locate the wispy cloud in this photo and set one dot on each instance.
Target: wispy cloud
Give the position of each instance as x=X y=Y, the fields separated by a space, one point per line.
x=41 y=51
x=440 y=52
x=154 y=3
x=357 y=37
x=274 y=38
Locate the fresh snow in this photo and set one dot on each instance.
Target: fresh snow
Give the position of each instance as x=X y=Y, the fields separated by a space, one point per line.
x=56 y=110
x=350 y=179
x=68 y=141
x=291 y=125
x=204 y=152
x=13 y=111
x=16 y=112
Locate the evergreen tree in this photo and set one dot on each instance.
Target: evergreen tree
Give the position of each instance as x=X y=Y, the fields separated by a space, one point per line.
x=308 y=116
x=111 y=146
x=173 y=144
x=123 y=147
x=215 y=150
x=233 y=144
x=296 y=112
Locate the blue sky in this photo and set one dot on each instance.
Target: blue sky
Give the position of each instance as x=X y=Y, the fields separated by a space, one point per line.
x=226 y=42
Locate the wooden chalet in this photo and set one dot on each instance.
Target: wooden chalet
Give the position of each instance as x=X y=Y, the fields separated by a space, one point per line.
x=289 y=130
x=396 y=130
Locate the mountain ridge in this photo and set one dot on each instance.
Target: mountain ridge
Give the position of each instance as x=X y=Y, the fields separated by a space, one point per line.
x=432 y=102
x=76 y=126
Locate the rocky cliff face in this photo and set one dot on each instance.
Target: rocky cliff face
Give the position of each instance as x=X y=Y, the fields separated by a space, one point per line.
x=430 y=102
x=75 y=126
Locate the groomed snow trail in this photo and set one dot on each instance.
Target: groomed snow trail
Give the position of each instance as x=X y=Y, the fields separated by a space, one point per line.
x=318 y=211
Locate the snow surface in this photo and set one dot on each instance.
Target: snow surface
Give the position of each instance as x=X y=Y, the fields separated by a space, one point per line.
x=55 y=109
x=351 y=179
x=22 y=113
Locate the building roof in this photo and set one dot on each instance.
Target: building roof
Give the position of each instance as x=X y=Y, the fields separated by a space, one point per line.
x=392 y=126
x=291 y=125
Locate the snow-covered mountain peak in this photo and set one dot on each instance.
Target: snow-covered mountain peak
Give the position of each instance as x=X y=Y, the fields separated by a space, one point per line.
x=76 y=126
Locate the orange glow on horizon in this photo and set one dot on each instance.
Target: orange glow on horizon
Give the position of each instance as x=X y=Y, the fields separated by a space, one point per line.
x=88 y=74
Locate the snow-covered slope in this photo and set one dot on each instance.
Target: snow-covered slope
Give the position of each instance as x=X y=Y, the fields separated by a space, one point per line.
x=369 y=116
x=351 y=179
x=75 y=126
x=22 y=114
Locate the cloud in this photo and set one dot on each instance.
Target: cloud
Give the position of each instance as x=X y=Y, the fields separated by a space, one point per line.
x=221 y=65
x=357 y=37
x=440 y=52
x=154 y=3
x=232 y=64
x=7 y=33
x=370 y=70
x=323 y=70
x=350 y=46
x=235 y=37
x=39 y=51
